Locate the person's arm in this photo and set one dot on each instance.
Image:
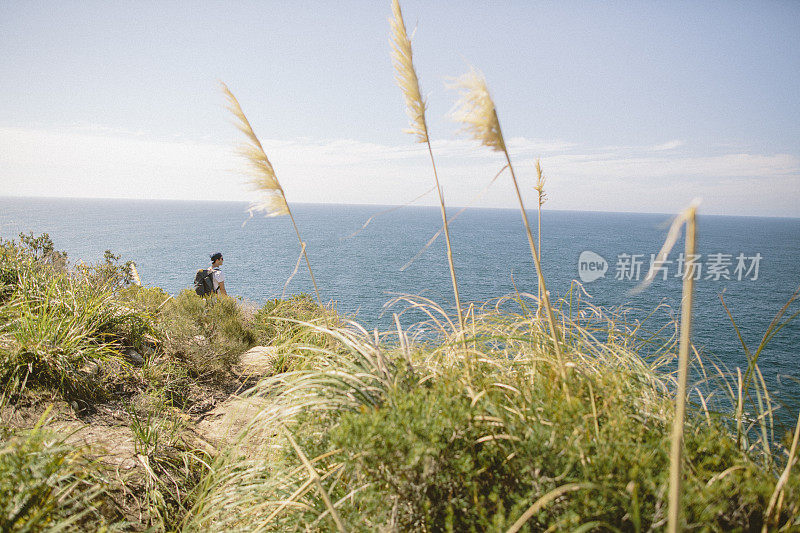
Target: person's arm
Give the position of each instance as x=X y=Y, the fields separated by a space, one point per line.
x=222 y=288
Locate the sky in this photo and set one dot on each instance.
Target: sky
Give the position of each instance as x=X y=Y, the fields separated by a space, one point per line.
x=630 y=106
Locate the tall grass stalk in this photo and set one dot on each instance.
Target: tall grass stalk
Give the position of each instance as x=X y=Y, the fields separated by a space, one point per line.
x=539 y=504
x=477 y=112
x=676 y=442
x=542 y=198
x=775 y=326
x=406 y=78
x=264 y=178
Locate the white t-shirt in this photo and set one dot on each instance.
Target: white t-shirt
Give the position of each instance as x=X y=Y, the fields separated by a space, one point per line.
x=218 y=277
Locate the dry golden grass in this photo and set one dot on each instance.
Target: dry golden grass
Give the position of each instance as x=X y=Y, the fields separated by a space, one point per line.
x=478 y=115
x=476 y=112
x=262 y=175
x=406 y=77
x=263 y=178
x=542 y=198
x=676 y=442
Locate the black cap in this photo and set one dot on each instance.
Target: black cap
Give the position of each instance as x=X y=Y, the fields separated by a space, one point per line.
x=216 y=256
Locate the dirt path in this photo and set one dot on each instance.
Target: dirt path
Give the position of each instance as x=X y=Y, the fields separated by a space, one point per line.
x=107 y=432
x=223 y=423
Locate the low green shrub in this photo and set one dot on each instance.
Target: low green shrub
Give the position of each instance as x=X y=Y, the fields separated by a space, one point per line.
x=436 y=457
x=297 y=329
x=209 y=333
x=280 y=321
x=422 y=457
x=9 y=270
x=30 y=253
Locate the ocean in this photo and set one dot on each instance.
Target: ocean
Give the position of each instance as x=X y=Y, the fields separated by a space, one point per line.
x=754 y=261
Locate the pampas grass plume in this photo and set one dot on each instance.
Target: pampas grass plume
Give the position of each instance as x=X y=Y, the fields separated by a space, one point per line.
x=539 y=188
x=406 y=76
x=262 y=175
x=475 y=110
x=263 y=178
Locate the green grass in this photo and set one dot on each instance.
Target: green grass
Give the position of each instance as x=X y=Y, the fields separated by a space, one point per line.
x=64 y=335
x=172 y=467
x=60 y=322
x=403 y=431
x=411 y=440
x=49 y=485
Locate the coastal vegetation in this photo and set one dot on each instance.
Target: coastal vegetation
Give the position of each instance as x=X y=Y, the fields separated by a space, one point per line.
x=107 y=387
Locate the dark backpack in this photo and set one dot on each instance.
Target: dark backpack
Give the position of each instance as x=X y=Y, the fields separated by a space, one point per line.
x=204 y=282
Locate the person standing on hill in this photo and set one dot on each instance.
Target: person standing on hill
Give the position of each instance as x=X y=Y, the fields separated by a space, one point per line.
x=218 y=276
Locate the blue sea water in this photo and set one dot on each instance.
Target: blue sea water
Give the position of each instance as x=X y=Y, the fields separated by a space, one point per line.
x=170 y=240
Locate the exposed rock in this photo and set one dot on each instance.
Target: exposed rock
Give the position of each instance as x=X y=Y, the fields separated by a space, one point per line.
x=257 y=362
x=113 y=444
x=223 y=425
x=91 y=368
x=133 y=357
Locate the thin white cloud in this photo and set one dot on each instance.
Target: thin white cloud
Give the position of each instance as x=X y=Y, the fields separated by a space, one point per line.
x=102 y=129
x=649 y=168
x=99 y=162
x=539 y=146
x=670 y=145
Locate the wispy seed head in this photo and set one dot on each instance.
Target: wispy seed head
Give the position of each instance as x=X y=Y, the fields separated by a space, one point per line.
x=406 y=76
x=476 y=112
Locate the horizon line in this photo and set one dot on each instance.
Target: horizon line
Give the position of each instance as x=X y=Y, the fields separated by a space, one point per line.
x=185 y=200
